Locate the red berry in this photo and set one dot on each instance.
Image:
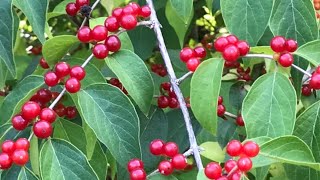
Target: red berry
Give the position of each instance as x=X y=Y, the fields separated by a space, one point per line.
x=48 y=115
x=42 y=129
x=62 y=69
x=84 y=34
x=192 y=64
x=162 y=72
x=173 y=103
x=8 y=147
x=19 y=123
x=200 y=52
x=112 y=24
x=43 y=63
x=113 y=43
x=5 y=161
x=77 y=72
x=134 y=164
x=99 y=33
x=278 y=44
x=317 y=70
x=251 y=149
x=232 y=39
x=157 y=147
x=117 y=12
x=186 y=54
x=80 y=3
x=51 y=79
x=71 y=112
x=128 y=10
x=221 y=110
x=30 y=110
x=315 y=81
x=229 y=165
x=234 y=148
x=172 y=94
x=44 y=95
x=20 y=157
x=171 y=149
x=166 y=86
x=222 y=178
x=138 y=174
x=115 y=82
x=128 y=22
x=220 y=44
x=291 y=45
x=136 y=8
x=220 y=100
x=72 y=9
x=145 y=11
x=60 y=110
x=239 y=121
x=246 y=77
x=243 y=47
x=22 y=143
x=231 y=53
x=306 y=90
x=163 y=102
x=100 y=51
x=165 y=168
x=244 y=164
x=213 y=170
x=286 y=60
x=179 y=162
x=236 y=175
x=73 y=85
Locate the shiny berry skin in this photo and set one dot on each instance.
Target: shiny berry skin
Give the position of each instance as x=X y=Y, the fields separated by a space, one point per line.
x=172 y=94
x=239 y=121
x=138 y=174
x=179 y=162
x=42 y=129
x=5 y=161
x=62 y=69
x=166 y=86
x=220 y=100
x=231 y=53
x=173 y=103
x=291 y=45
x=117 y=12
x=306 y=90
x=112 y=24
x=60 y=110
x=19 y=123
x=80 y=3
x=113 y=43
x=71 y=112
x=243 y=47
x=48 y=115
x=229 y=165
x=213 y=170
x=317 y=70
x=221 y=43
x=43 y=63
x=99 y=33
x=128 y=10
x=100 y=51
x=84 y=34
x=128 y=22
x=286 y=60
x=234 y=148
x=8 y=147
x=315 y=81
x=163 y=102
x=236 y=175
x=134 y=164
x=221 y=110
x=171 y=149
x=244 y=164
x=145 y=11
x=222 y=178
x=72 y=9
x=22 y=143
x=186 y=54
x=251 y=149
x=165 y=168
x=278 y=44
x=162 y=72
x=44 y=95
x=51 y=79
x=20 y=157
x=200 y=52
x=77 y=72
x=232 y=39
x=192 y=64
x=73 y=85
x=157 y=147
x=30 y=110
x=136 y=8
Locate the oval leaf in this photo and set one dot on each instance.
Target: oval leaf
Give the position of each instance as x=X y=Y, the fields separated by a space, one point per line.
x=310 y=52
x=26 y=174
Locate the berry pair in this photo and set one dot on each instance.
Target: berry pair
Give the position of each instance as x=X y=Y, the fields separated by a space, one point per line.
x=221 y=109
x=283 y=48
x=231 y=47
x=169 y=100
x=159 y=69
x=192 y=57
x=69 y=112
x=117 y=83
x=73 y=8
x=14 y=152
x=135 y=168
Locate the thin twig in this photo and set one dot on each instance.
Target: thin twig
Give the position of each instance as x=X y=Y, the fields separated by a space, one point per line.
x=86 y=18
x=179 y=81
x=230 y=115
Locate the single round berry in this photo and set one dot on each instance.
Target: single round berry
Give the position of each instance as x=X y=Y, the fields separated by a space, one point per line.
x=232 y=39
x=72 y=9
x=286 y=60
x=213 y=170
x=117 y=12
x=48 y=115
x=71 y=112
x=112 y=24
x=62 y=69
x=22 y=143
x=229 y=165
x=231 y=53
x=221 y=43
x=171 y=149
x=239 y=121
x=128 y=22
x=173 y=103
x=179 y=162
x=128 y=10
x=192 y=64
x=19 y=123
x=73 y=85
x=251 y=149
x=134 y=164
x=136 y=8
x=220 y=100
x=20 y=157
x=157 y=147
x=43 y=63
x=44 y=95
x=291 y=45
x=84 y=34
x=163 y=102
x=306 y=90
x=60 y=110
x=166 y=86
x=77 y=72
x=317 y=70
x=165 y=168
x=138 y=174
x=162 y=72
x=30 y=110
x=172 y=94
x=51 y=79
x=80 y=3
x=278 y=44
x=145 y=11
x=186 y=54
x=221 y=110
x=234 y=148
x=99 y=33
x=8 y=147
x=244 y=164
x=42 y=129
x=200 y=52
x=236 y=175
x=5 y=161
x=100 y=51
x=243 y=47
x=113 y=43
x=315 y=81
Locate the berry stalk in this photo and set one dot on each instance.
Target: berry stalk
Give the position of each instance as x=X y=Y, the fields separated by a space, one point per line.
x=179 y=81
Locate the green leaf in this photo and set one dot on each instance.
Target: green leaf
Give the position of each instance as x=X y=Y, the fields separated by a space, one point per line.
x=201 y=175
x=179 y=14
x=26 y=174
x=135 y=77
x=36 y=12
x=214 y=151
x=61 y=160
x=251 y=15
x=113 y=118
x=206 y=81
x=271 y=103
x=300 y=172
x=175 y=59
x=309 y=51
x=57 y=47
x=99 y=162
x=22 y=92
x=162 y=177
x=60 y=9
x=111 y=4
x=34 y=155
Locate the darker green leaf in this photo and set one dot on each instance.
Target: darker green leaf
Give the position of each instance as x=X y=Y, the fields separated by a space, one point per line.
x=310 y=52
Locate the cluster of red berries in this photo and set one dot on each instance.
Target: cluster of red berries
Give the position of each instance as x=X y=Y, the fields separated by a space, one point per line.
x=63 y=69
x=159 y=69
x=283 y=48
x=316 y=4
x=192 y=57
x=135 y=168
x=242 y=165
x=221 y=109
x=244 y=74
x=168 y=97
x=73 y=8
x=14 y=152
x=231 y=47
x=117 y=83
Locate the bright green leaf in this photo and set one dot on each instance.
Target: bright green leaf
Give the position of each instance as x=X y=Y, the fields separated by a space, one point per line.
x=162 y=177
x=213 y=151
x=60 y=9
x=310 y=52
x=201 y=175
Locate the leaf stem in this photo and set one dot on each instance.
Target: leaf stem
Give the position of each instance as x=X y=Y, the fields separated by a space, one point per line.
x=180 y=80
x=92 y=7
x=175 y=87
